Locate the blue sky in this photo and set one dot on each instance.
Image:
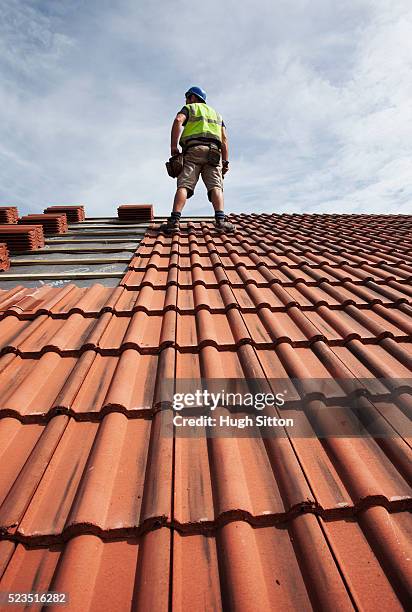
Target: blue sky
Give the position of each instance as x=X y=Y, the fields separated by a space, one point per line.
x=316 y=96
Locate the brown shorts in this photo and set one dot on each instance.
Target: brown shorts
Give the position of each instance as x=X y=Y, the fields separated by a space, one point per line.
x=195 y=163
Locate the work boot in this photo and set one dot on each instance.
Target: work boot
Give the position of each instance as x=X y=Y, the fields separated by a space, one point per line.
x=224 y=226
x=171 y=225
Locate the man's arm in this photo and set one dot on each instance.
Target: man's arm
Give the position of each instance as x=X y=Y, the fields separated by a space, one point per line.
x=176 y=128
x=225 y=148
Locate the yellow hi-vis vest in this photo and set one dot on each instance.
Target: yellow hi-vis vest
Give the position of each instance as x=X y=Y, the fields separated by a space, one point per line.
x=203 y=122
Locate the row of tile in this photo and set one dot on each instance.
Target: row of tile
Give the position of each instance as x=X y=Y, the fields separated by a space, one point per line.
x=160 y=257
x=333 y=230
x=295 y=227
x=272 y=233
x=348 y=222
x=345 y=226
x=295 y=243
x=28 y=303
x=306 y=229
x=201 y=236
x=244 y=242
x=364 y=566
x=130 y=475
x=263 y=277
x=261 y=242
x=287 y=232
x=353 y=216
x=110 y=334
x=235 y=261
x=90 y=385
x=370 y=220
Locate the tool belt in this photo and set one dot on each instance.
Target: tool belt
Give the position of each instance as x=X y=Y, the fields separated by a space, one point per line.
x=175 y=165
x=213 y=157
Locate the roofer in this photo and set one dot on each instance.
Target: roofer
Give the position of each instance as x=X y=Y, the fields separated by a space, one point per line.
x=204 y=144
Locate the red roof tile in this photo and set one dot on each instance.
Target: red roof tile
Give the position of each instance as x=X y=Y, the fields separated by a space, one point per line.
x=22 y=237
x=95 y=495
x=8 y=214
x=74 y=214
x=362 y=563
x=4 y=257
x=52 y=223
x=135 y=212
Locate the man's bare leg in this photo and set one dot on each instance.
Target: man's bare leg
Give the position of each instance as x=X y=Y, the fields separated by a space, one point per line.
x=216 y=195
x=173 y=221
x=180 y=199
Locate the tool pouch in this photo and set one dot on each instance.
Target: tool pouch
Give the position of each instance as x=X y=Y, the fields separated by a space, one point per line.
x=213 y=157
x=175 y=165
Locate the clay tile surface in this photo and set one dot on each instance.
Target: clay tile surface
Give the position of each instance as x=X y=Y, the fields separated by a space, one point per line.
x=101 y=498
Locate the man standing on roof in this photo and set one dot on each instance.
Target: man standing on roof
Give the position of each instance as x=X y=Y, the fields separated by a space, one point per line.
x=205 y=152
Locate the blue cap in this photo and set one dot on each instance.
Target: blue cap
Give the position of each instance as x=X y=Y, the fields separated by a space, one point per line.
x=198 y=91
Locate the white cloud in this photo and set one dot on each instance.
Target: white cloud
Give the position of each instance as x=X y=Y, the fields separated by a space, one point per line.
x=316 y=98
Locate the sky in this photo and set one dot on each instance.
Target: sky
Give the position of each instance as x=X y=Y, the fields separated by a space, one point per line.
x=315 y=94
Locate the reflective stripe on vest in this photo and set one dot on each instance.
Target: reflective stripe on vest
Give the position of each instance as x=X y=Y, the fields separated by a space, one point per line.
x=203 y=121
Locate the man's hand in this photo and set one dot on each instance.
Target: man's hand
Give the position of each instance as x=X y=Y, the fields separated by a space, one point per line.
x=225 y=167
x=174 y=151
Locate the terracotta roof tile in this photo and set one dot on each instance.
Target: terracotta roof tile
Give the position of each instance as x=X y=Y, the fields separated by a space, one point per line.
x=74 y=214
x=8 y=214
x=86 y=387
x=95 y=574
x=101 y=490
x=157 y=318
x=299 y=520
x=70 y=383
x=364 y=564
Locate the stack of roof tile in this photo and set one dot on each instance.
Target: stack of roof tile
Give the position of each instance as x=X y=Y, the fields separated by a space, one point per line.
x=22 y=237
x=135 y=212
x=8 y=214
x=74 y=214
x=4 y=257
x=98 y=501
x=53 y=223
